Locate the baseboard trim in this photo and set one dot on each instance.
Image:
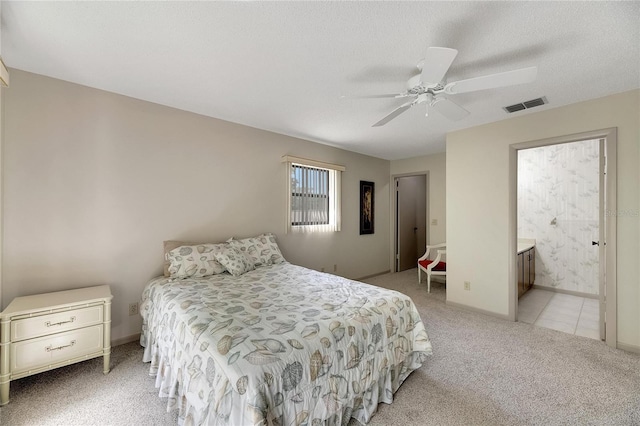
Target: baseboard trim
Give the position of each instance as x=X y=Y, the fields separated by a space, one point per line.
x=126 y=339
x=559 y=290
x=478 y=310
x=628 y=348
x=373 y=275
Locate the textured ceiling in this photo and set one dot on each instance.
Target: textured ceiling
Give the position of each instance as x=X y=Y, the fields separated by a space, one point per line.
x=283 y=66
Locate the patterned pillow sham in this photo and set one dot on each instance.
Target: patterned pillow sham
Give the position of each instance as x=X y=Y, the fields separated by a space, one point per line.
x=235 y=261
x=172 y=244
x=263 y=249
x=195 y=261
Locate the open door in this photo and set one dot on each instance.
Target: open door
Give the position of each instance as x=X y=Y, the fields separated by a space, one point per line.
x=411 y=208
x=604 y=237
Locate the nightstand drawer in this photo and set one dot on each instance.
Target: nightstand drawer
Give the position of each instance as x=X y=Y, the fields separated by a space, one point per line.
x=43 y=325
x=43 y=351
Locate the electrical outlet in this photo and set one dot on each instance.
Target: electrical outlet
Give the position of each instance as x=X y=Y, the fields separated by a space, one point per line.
x=321 y=269
x=335 y=267
x=467 y=285
x=133 y=309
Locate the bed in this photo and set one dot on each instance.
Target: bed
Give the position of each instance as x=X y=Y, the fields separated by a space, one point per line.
x=278 y=344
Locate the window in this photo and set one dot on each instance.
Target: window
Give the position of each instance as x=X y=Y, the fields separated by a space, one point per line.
x=309 y=196
x=313 y=190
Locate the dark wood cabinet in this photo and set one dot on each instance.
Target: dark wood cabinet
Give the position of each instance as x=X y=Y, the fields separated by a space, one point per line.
x=520 y=280
x=526 y=270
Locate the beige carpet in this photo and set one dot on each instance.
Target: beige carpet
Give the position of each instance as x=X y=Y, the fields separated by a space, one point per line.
x=484 y=371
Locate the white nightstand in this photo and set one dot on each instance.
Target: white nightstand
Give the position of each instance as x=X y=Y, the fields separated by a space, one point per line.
x=47 y=331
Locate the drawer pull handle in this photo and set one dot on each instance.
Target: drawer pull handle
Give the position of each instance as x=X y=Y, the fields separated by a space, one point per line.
x=51 y=348
x=51 y=324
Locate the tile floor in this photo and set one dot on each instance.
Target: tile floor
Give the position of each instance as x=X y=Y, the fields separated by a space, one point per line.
x=562 y=312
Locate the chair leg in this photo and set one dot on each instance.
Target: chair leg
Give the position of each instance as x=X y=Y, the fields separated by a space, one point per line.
x=419 y=275
x=428 y=283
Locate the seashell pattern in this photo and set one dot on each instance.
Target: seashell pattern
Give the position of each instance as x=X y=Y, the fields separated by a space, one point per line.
x=278 y=342
x=194 y=261
x=263 y=249
x=291 y=376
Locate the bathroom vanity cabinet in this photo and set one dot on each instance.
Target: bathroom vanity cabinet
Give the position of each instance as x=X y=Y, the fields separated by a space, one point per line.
x=526 y=269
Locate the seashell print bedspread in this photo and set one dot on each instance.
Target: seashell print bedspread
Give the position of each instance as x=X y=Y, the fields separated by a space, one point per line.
x=281 y=345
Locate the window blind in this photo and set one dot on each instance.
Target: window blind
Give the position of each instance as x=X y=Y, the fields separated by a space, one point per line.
x=313 y=195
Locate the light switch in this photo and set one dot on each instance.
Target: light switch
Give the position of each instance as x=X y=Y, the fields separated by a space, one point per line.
x=434 y=222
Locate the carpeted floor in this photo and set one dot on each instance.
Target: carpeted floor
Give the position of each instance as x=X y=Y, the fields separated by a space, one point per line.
x=484 y=371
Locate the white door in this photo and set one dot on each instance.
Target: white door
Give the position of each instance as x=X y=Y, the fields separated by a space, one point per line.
x=602 y=240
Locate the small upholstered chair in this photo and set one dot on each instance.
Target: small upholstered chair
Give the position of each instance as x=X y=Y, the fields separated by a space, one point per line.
x=432 y=267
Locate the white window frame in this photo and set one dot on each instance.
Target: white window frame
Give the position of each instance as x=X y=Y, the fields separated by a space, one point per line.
x=335 y=194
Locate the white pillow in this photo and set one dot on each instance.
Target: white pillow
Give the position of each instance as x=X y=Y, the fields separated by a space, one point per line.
x=263 y=249
x=195 y=261
x=235 y=261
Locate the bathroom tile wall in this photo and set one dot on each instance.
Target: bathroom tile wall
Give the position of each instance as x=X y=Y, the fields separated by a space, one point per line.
x=558 y=206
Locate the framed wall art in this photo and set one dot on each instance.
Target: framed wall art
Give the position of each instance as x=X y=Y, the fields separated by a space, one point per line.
x=367 y=207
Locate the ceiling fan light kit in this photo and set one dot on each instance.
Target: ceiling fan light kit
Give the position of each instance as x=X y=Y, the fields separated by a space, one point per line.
x=430 y=86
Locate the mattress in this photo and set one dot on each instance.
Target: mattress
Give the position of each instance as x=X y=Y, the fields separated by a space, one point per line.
x=280 y=345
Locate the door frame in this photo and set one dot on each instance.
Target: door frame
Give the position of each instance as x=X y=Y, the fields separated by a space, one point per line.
x=610 y=225
x=394 y=219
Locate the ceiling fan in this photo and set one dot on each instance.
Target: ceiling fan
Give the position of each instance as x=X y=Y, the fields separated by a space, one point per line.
x=430 y=86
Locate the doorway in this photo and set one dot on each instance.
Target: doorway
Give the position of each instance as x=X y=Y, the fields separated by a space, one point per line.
x=568 y=183
x=411 y=220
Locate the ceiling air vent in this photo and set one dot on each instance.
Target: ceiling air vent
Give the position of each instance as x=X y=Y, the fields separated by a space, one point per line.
x=525 y=105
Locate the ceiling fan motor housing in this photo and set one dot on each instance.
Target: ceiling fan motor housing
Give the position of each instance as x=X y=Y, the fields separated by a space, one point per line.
x=417 y=87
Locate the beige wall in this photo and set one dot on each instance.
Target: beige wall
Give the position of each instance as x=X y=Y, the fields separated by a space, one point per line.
x=435 y=166
x=2 y=96
x=478 y=199
x=94 y=182
x=1 y=144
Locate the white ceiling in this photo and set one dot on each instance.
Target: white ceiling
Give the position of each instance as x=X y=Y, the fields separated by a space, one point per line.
x=283 y=66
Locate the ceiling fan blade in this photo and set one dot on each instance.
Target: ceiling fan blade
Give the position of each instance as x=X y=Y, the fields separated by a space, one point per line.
x=436 y=64
x=387 y=95
x=509 y=78
x=450 y=109
x=393 y=114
